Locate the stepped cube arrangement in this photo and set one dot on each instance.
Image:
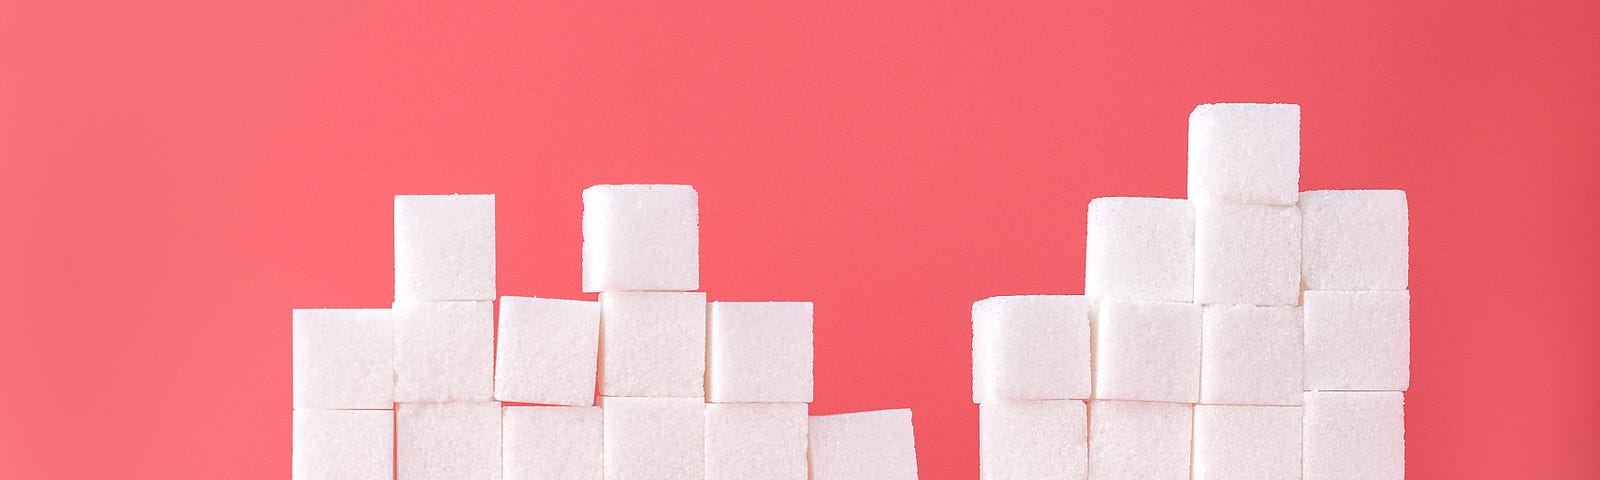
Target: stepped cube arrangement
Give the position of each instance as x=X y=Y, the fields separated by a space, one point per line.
x=1249 y=331
x=433 y=388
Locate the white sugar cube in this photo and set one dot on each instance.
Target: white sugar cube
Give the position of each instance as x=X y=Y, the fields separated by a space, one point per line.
x=654 y=438
x=879 y=445
x=1234 y=441
x=641 y=237
x=760 y=352
x=1355 y=435
x=1140 y=249
x=1355 y=240
x=448 y=440
x=1246 y=254
x=343 y=358
x=653 y=344
x=1046 y=439
x=1358 y=340
x=1252 y=355
x=1147 y=351
x=547 y=351
x=343 y=445
x=444 y=352
x=1245 y=153
x=553 y=443
x=1030 y=347
x=1139 y=440
x=443 y=247
x=756 y=441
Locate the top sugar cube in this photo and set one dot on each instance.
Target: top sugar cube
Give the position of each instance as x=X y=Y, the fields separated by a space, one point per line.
x=1354 y=240
x=641 y=237
x=443 y=248
x=1245 y=153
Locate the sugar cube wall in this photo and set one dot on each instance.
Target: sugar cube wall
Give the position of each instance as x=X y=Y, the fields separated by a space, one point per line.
x=448 y=440
x=879 y=445
x=653 y=344
x=1245 y=153
x=1030 y=347
x=343 y=444
x=641 y=237
x=444 y=352
x=654 y=438
x=760 y=352
x=1147 y=351
x=547 y=351
x=343 y=359
x=756 y=441
x=1046 y=439
x=1251 y=355
x=553 y=443
x=1354 y=435
x=1140 y=249
x=1355 y=240
x=1139 y=440
x=1247 y=254
x=444 y=247
x=1246 y=441
x=1358 y=340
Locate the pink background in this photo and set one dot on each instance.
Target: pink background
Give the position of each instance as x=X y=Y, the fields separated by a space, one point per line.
x=176 y=175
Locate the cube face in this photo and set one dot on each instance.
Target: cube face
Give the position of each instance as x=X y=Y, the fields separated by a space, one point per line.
x=1033 y=439
x=1252 y=355
x=756 y=441
x=1140 y=249
x=1147 y=351
x=1355 y=240
x=641 y=237
x=1247 y=254
x=344 y=359
x=1031 y=347
x=1245 y=153
x=547 y=351
x=444 y=248
x=1355 y=435
x=879 y=445
x=760 y=352
x=553 y=443
x=654 y=438
x=448 y=440
x=444 y=352
x=653 y=344
x=343 y=445
x=1358 y=340
x=1233 y=441
x=1139 y=440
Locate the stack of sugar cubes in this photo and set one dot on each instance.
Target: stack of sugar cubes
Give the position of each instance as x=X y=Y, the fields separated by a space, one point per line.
x=433 y=388
x=1250 y=331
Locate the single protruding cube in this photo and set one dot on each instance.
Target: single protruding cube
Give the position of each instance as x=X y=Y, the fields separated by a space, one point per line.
x=343 y=445
x=1252 y=355
x=1246 y=441
x=641 y=237
x=553 y=443
x=1246 y=254
x=1147 y=351
x=654 y=438
x=448 y=440
x=1140 y=249
x=879 y=445
x=344 y=359
x=444 y=352
x=1355 y=240
x=760 y=352
x=547 y=351
x=1047 y=439
x=756 y=441
x=1358 y=340
x=1355 y=435
x=1030 y=347
x=443 y=248
x=1245 y=153
x=1140 y=440
x=653 y=344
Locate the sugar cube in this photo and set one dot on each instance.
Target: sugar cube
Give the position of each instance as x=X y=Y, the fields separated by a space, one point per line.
x=1355 y=240
x=1358 y=340
x=653 y=344
x=1030 y=347
x=343 y=444
x=879 y=445
x=344 y=358
x=756 y=441
x=641 y=237
x=1246 y=254
x=1047 y=439
x=1245 y=153
x=444 y=352
x=654 y=438
x=1251 y=355
x=1139 y=440
x=760 y=352
x=1355 y=435
x=553 y=443
x=1147 y=351
x=1233 y=441
x=443 y=247
x=448 y=440
x=1140 y=249
x=547 y=351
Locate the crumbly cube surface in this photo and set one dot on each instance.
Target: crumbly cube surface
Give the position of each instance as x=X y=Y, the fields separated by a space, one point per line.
x=654 y=438
x=653 y=344
x=1355 y=240
x=444 y=352
x=553 y=443
x=1247 y=254
x=343 y=445
x=1140 y=249
x=1047 y=439
x=1252 y=355
x=879 y=445
x=1139 y=440
x=448 y=440
x=547 y=351
x=1030 y=347
x=641 y=237
x=1245 y=153
x=1355 y=435
x=1147 y=351
x=344 y=358
x=1246 y=441
x=444 y=248
x=1358 y=340
x=760 y=352
x=756 y=441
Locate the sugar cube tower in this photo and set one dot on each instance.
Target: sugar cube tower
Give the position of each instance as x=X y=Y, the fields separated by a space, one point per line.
x=1248 y=331
x=434 y=388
